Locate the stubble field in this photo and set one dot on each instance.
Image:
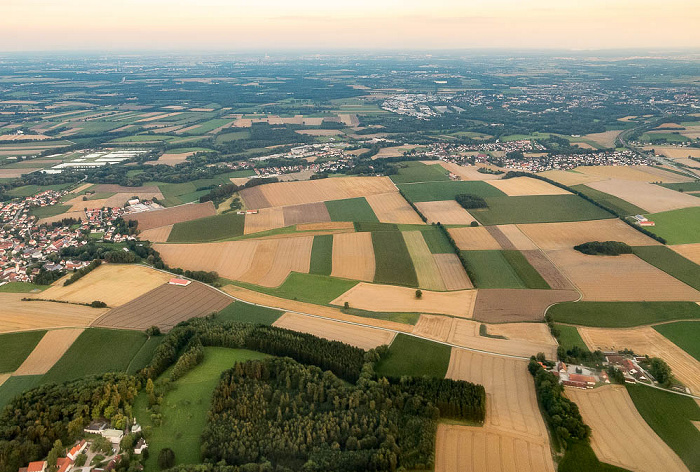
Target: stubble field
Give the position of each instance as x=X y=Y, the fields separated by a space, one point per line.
x=49 y=350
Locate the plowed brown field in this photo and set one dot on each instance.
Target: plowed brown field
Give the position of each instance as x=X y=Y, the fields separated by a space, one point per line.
x=474 y=239
x=358 y=336
x=353 y=256
x=169 y=216
x=651 y=197
x=427 y=270
x=447 y=212
x=393 y=208
x=567 y=235
x=156 y=235
x=49 y=350
x=18 y=315
x=547 y=270
x=308 y=213
x=619 y=434
x=515 y=305
x=452 y=272
x=521 y=186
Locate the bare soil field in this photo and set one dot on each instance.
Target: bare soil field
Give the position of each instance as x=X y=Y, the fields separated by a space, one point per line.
x=447 y=212
x=516 y=237
x=520 y=186
x=312 y=191
x=619 y=434
x=465 y=172
x=689 y=251
x=18 y=315
x=156 y=235
x=165 y=307
x=474 y=239
x=353 y=256
x=393 y=208
x=114 y=284
x=394 y=151
x=549 y=272
x=169 y=216
x=172 y=159
x=452 y=272
x=330 y=226
x=653 y=198
x=265 y=220
x=516 y=305
x=389 y=298
x=620 y=278
x=14 y=173
x=553 y=236
x=605 y=139
x=358 y=336
x=427 y=270
x=646 y=340
x=52 y=346
x=304 y=214
x=569 y=177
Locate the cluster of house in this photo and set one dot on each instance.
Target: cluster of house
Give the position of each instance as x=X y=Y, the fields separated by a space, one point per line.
x=570 y=161
x=642 y=220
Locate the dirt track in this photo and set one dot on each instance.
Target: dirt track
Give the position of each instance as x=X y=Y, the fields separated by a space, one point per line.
x=515 y=305
x=49 y=350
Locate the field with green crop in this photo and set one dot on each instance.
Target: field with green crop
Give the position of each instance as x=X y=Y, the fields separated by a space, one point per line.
x=526 y=273
x=490 y=269
x=437 y=241
x=614 y=203
x=310 y=288
x=21 y=287
x=47 y=211
x=392 y=260
x=322 y=255
x=144 y=355
x=373 y=226
x=351 y=209
x=672 y=263
x=579 y=457
x=210 y=228
x=16 y=347
x=538 y=209
x=246 y=313
x=433 y=191
x=684 y=334
x=16 y=385
x=677 y=226
x=622 y=314
x=414 y=356
x=29 y=190
x=569 y=337
x=418 y=172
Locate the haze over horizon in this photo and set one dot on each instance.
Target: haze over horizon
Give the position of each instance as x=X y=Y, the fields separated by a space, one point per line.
x=31 y=25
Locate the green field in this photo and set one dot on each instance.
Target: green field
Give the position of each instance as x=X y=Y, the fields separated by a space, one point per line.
x=502 y=269
x=538 y=209
x=672 y=263
x=21 y=287
x=433 y=191
x=622 y=314
x=684 y=334
x=246 y=313
x=29 y=190
x=569 y=337
x=684 y=186
x=208 y=126
x=95 y=352
x=414 y=356
x=392 y=260
x=210 y=228
x=614 y=203
x=580 y=457
x=48 y=211
x=185 y=406
x=372 y=226
x=437 y=241
x=16 y=347
x=144 y=355
x=418 y=172
x=322 y=255
x=670 y=416
x=351 y=209
x=16 y=385
x=527 y=274
x=310 y=288
x=677 y=226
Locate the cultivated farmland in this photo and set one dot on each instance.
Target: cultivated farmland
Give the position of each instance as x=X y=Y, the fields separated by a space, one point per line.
x=265 y=220
x=452 y=272
x=351 y=209
x=169 y=216
x=156 y=235
x=538 y=209
x=18 y=315
x=393 y=263
x=623 y=314
x=551 y=236
x=49 y=350
x=515 y=236
x=513 y=305
x=520 y=186
x=393 y=208
x=474 y=239
x=689 y=251
x=466 y=172
x=438 y=191
x=447 y=212
x=424 y=263
x=308 y=213
x=653 y=198
x=677 y=226
x=353 y=256
x=209 y=228
x=16 y=348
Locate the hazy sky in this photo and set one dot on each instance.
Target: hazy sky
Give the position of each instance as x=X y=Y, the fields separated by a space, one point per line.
x=415 y=24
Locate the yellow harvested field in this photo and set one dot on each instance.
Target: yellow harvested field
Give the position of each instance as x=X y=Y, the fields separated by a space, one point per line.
x=327 y=226
x=427 y=270
x=646 y=340
x=533 y=332
x=619 y=434
x=465 y=172
x=447 y=212
x=265 y=220
x=619 y=278
x=393 y=208
x=520 y=186
x=230 y=259
x=517 y=238
x=633 y=173
x=4 y=377
x=311 y=191
x=689 y=251
x=676 y=152
x=389 y=298
x=605 y=139
x=569 y=177
x=81 y=188
x=651 y=197
x=156 y=235
x=52 y=346
x=474 y=239
x=452 y=272
x=15 y=173
x=18 y=315
x=173 y=158
x=358 y=336
x=353 y=256
x=114 y=284
x=550 y=236
x=275 y=259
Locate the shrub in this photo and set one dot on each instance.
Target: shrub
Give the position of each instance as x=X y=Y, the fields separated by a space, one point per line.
x=166 y=458
x=605 y=248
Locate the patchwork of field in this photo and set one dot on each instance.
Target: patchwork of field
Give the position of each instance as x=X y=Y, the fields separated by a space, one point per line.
x=465 y=172
x=514 y=237
x=170 y=216
x=156 y=235
x=312 y=191
x=619 y=278
x=358 y=336
x=653 y=198
x=631 y=173
x=553 y=236
x=676 y=152
x=474 y=239
x=165 y=307
x=520 y=186
x=353 y=256
x=549 y=272
x=452 y=272
x=114 y=284
x=619 y=434
x=49 y=350
x=689 y=251
x=266 y=219
x=447 y=212
x=516 y=305
x=389 y=298
x=18 y=315
x=393 y=208
x=426 y=267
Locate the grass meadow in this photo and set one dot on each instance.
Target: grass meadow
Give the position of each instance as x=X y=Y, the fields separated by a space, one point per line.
x=672 y=263
x=414 y=356
x=684 y=334
x=622 y=314
x=16 y=347
x=677 y=226
x=210 y=228
x=393 y=262
x=351 y=209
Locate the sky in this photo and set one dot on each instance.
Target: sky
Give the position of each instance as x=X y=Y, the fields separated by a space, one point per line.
x=236 y=25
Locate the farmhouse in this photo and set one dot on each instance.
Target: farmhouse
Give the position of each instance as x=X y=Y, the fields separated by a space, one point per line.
x=179 y=282
x=77 y=449
x=140 y=446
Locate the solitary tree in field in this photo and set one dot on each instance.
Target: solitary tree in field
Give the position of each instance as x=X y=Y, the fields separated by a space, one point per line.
x=419 y=293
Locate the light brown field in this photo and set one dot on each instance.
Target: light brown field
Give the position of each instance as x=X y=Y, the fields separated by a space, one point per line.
x=358 y=336
x=329 y=226
x=646 y=340
x=297 y=193
x=520 y=186
x=4 y=377
x=394 y=151
x=173 y=158
x=550 y=236
x=447 y=212
x=465 y=172
x=569 y=177
x=14 y=173
x=265 y=220
x=18 y=315
x=653 y=198
x=676 y=152
x=516 y=237
x=620 y=278
x=275 y=259
x=71 y=214
x=353 y=256
x=156 y=235
x=605 y=139
x=389 y=298
x=169 y=216
x=229 y=259
x=393 y=208
x=583 y=145
x=633 y=173
x=48 y=351
x=689 y=251
x=114 y=284
x=619 y=434
x=517 y=305
x=452 y=272
x=427 y=270
x=308 y=213
x=474 y=239
x=533 y=332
